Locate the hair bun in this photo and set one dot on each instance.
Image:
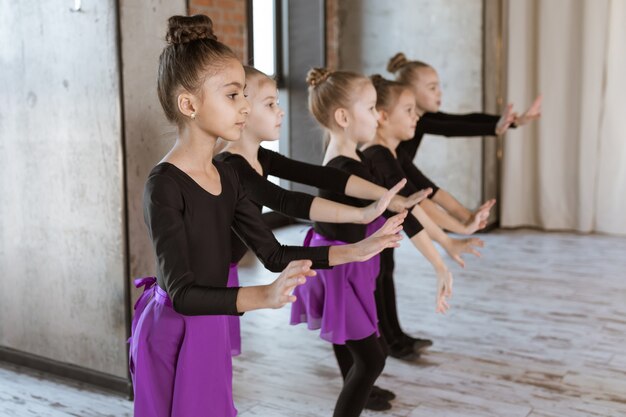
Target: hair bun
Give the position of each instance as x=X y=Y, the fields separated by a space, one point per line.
x=377 y=80
x=396 y=62
x=316 y=76
x=185 y=29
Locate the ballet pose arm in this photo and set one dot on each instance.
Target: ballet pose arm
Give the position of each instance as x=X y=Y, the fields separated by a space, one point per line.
x=301 y=205
x=250 y=227
x=331 y=179
x=163 y=213
x=388 y=168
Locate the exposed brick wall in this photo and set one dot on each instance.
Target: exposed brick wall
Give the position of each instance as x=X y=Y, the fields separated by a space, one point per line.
x=332 y=34
x=230 y=20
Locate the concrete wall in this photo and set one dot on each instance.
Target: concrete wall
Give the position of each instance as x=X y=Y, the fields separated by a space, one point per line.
x=448 y=35
x=148 y=134
x=62 y=212
x=62 y=254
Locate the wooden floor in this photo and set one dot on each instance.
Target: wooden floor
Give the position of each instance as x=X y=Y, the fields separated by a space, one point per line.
x=537 y=329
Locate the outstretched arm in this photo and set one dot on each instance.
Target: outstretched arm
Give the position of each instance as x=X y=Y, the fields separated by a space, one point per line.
x=278 y=293
x=301 y=205
x=323 y=210
x=424 y=244
x=454 y=247
x=332 y=179
x=250 y=227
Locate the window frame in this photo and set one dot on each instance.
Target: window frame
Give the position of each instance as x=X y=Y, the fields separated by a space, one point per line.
x=278 y=40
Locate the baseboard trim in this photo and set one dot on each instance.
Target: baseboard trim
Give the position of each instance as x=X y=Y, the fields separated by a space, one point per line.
x=66 y=370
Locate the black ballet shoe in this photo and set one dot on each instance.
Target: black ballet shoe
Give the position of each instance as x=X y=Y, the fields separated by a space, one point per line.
x=402 y=351
x=418 y=344
x=384 y=394
x=377 y=404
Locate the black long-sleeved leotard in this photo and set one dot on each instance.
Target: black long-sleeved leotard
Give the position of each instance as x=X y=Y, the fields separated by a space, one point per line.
x=444 y=124
x=190 y=230
x=263 y=192
x=390 y=170
x=347 y=232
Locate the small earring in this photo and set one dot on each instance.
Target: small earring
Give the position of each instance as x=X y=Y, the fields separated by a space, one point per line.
x=193 y=115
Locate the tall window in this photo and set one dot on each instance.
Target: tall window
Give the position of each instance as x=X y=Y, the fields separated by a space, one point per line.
x=264 y=46
x=264 y=36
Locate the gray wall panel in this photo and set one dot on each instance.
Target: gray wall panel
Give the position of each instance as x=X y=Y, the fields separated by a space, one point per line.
x=148 y=135
x=61 y=210
x=448 y=35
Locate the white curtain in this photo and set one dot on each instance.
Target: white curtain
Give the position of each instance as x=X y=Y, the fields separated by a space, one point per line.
x=567 y=171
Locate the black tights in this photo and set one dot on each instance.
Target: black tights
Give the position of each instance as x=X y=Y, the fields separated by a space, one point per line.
x=360 y=362
x=385 y=295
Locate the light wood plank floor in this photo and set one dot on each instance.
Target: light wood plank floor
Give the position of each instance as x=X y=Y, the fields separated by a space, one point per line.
x=537 y=329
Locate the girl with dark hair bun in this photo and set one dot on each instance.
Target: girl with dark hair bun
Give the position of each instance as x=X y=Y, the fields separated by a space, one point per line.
x=180 y=356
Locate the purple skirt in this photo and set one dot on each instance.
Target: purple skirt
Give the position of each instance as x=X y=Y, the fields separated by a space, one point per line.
x=234 y=327
x=339 y=301
x=180 y=365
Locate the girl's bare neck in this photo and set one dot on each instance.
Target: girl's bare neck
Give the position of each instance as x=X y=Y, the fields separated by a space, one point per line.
x=247 y=146
x=340 y=146
x=192 y=152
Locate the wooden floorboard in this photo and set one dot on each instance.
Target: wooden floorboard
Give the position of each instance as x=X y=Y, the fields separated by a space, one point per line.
x=537 y=329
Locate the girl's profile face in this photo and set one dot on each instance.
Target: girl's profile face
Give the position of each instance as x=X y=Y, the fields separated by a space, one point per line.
x=363 y=113
x=427 y=90
x=402 y=118
x=266 y=116
x=222 y=108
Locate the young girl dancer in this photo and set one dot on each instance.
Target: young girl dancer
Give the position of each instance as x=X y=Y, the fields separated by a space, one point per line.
x=424 y=81
x=341 y=302
x=180 y=359
x=397 y=118
x=254 y=163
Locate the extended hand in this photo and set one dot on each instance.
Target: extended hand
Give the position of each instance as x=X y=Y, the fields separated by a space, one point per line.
x=386 y=237
x=478 y=219
x=444 y=290
x=457 y=247
x=533 y=112
x=377 y=208
x=399 y=203
x=279 y=292
x=505 y=121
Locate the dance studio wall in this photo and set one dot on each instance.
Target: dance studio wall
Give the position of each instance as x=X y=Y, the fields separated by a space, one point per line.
x=63 y=258
x=62 y=250
x=448 y=35
x=148 y=135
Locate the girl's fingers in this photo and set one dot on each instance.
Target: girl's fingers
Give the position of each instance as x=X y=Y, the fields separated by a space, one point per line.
x=283 y=300
x=396 y=188
x=299 y=266
x=397 y=230
x=292 y=283
x=536 y=104
x=477 y=242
